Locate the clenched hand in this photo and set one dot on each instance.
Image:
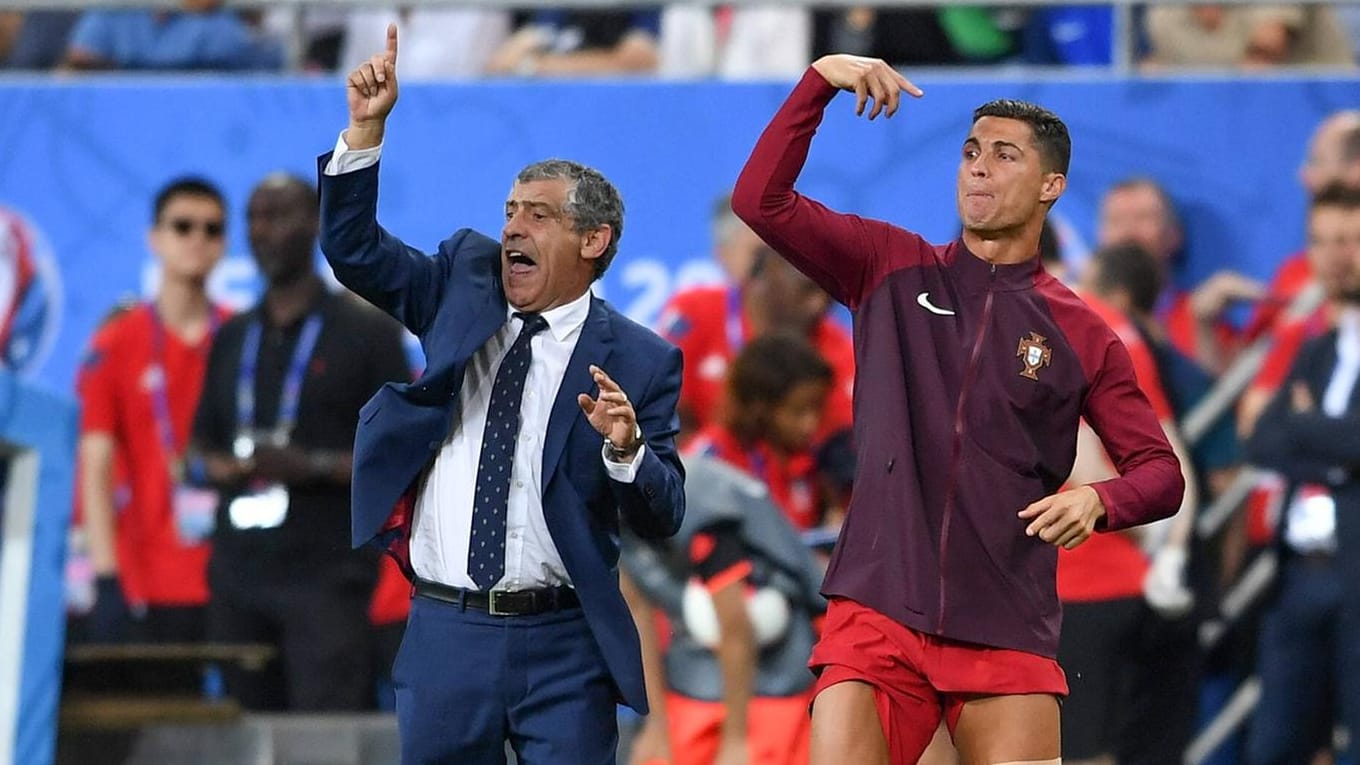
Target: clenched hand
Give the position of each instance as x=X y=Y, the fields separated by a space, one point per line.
x=1065 y=519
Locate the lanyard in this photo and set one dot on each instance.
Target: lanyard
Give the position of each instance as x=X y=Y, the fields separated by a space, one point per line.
x=292 y=383
x=736 y=338
x=160 y=383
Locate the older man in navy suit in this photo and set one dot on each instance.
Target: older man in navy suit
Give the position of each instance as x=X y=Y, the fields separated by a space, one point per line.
x=497 y=479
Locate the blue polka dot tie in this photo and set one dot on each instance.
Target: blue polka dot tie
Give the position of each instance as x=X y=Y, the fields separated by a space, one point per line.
x=486 y=548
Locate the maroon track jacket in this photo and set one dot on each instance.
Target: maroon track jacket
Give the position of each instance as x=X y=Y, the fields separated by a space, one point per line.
x=971 y=380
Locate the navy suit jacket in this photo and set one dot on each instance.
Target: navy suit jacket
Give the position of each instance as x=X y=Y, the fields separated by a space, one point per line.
x=454 y=302
x=1311 y=447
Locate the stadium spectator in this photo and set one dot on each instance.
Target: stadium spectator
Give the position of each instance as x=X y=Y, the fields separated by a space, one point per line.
x=710 y=324
x=34 y=39
x=1308 y=658
x=437 y=42
x=311 y=34
x=1333 y=158
x=900 y=36
x=198 y=35
x=274 y=431
x=1129 y=640
x=1072 y=35
x=138 y=387
x=737 y=581
x=759 y=430
x=734 y=42
x=1140 y=211
x=1246 y=36
x=561 y=42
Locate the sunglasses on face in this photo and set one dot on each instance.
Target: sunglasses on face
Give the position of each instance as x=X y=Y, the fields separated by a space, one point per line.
x=212 y=229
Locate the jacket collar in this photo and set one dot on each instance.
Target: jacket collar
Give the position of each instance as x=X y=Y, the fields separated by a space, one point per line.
x=973 y=274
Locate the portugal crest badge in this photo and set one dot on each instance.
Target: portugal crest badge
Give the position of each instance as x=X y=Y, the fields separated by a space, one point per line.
x=1034 y=354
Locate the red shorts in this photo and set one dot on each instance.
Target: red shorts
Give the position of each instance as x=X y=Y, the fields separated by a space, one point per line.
x=778 y=730
x=919 y=678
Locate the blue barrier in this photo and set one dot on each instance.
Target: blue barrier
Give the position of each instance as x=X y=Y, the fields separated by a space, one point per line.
x=37 y=436
x=83 y=158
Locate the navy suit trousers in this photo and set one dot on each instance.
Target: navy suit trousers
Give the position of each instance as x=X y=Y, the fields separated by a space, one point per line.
x=468 y=682
x=1309 y=663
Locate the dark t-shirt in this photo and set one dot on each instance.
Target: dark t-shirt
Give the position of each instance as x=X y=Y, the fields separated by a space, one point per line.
x=356 y=351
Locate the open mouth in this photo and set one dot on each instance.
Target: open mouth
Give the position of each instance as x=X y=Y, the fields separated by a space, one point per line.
x=519 y=262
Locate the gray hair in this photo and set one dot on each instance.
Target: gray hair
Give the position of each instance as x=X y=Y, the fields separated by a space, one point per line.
x=592 y=201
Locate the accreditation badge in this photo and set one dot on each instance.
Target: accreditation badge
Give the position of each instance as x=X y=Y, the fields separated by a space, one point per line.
x=243 y=448
x=195 y=513
x=263 y=507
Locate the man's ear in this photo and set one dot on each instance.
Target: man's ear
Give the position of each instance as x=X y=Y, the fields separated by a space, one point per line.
x=1053 y=187
x=596 y=241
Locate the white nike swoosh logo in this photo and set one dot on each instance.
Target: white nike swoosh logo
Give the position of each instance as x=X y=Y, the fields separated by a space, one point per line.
x=923 y=300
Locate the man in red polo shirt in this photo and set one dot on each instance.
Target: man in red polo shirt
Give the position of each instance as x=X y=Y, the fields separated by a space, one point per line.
x=1139 y=211
x=711 y=324
x=139 y=386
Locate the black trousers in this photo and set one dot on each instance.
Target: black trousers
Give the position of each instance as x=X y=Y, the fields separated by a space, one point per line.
x=319 y=624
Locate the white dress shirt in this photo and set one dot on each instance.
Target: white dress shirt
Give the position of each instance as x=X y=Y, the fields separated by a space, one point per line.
x=442 y=523
x=1312 y=510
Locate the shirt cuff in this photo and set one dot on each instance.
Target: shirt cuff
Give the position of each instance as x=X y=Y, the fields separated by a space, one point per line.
x=347 y=160
x=623 y=472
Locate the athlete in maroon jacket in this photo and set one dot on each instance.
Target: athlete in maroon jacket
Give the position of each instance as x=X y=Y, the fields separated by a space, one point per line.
x=974 y=368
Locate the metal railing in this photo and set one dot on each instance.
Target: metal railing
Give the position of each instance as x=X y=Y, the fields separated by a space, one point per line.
x=1255 y=580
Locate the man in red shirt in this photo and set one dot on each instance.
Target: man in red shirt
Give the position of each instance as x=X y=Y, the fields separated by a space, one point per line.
x=1139 y=211
x=1333 y=158
x=711 y=324
x=138 y=387
x=1125 y=638
x=974 y=368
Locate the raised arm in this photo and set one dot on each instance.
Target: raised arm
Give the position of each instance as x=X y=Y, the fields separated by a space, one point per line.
x=838 y=251
x=399 y=279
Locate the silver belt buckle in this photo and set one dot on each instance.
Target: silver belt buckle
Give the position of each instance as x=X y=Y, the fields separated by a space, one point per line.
x=492 y=604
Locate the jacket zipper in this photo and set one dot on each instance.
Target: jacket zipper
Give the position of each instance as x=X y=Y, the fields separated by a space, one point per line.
x=957 y=452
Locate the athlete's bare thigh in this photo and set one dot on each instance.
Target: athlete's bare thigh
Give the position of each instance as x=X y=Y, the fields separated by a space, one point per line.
x=846 y=728
x=1009 y=729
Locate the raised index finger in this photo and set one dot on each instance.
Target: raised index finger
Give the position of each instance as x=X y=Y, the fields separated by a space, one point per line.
x=392 y=43
x=907 y=85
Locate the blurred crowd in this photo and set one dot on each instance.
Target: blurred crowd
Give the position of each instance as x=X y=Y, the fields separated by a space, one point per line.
x=213 y=502
x=678 y=40
x=213 y=497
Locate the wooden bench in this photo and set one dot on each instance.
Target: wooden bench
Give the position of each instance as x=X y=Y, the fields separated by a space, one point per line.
x=101 y=683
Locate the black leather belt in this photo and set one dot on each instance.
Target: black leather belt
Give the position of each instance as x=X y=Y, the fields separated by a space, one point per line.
x=501 y=602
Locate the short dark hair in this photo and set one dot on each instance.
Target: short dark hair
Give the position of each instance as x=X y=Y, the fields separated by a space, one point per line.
x=293 y=183
x=592 y=201
x=1050 y=133
x=1050 y=246
x=187 y=186
x=1336 y=195
x=1131 y=268
x=771 y=366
